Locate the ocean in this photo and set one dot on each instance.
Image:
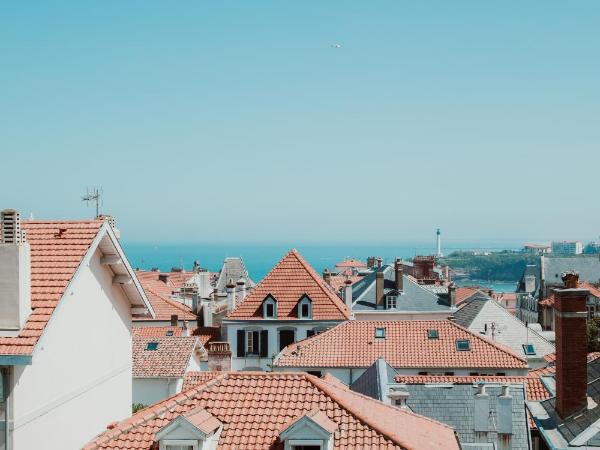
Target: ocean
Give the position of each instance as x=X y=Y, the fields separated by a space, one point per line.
x=260 y=258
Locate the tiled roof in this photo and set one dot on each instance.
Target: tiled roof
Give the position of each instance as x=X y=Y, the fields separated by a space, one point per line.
x=205 y=334
x=594 y=291
x=406 y=344
x=57 y=249
x=195 y=378
x=170 y=358
x=351 y=262
x=288 y=282
x=158 y=293
x=339 y=281
x=256 y=406
x=466 y=292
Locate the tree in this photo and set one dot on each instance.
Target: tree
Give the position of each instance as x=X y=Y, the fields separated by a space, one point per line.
x=593 y=334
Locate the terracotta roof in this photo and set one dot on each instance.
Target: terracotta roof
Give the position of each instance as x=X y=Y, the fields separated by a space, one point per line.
x=548 y=301
x=594 y=291
x=463 y=293
x=288 y=282
x=406 y=344
x=169 y=359
x=339 y=281
x=351 y=262
x=57 y=249
x=205 y=334
x=195 y=378
x=256 y=406
x=158 y=293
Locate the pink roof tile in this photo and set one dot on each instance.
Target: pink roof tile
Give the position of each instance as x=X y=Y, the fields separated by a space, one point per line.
x=256 y=406
x=287 y=282
x=170 y=358
x=195 y=378
x=406 y=344
x=158 y=293
x=57 y=249
x=351 y=263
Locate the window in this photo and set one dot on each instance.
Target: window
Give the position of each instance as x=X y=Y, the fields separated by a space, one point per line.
x=380 y=333
x=529 y=349
x=152 y=346
x=316 y=373
x=310 y=333
x=432 y=334
x=305 y=308
x=391 y=301
x=269 y=307
x=180 y=447
x=252 y=342
x=169 y=332
x=270 y=312
x=463 y=345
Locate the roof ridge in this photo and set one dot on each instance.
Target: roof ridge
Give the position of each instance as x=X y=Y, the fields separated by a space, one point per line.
x=486 y=339
x=153 y=411
x=168 y=300
x=327 y=389
x=335 y=299
x=38 y=222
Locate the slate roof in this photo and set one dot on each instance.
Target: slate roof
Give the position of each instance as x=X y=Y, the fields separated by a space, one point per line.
x=233 y=269
x=170 y=359
x=587 y=266
x=413 y=298
x=530 y=269
x=57 y=249
x=159 y=292
x=256 y=406
x=288 y=282
x=353 y=344
x=484 y=315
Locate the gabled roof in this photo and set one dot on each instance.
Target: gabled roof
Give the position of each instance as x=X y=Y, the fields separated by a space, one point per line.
x=256 y=406
x=169 y=359
x=58 y=249
x=288 y=282
x=159 y=293
x=467 y=292
x=486 y=316
x=233 y=269
x=406 y=344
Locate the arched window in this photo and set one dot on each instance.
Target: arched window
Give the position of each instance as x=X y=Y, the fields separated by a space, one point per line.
x=305 y=307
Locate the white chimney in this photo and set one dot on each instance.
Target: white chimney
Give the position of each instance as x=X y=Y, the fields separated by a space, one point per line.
x=481 y=411
x=185 y=330
x=505 y=411
x=240 y=290
x=529 y=283
x=15 y=274
x=112 y=222
x=399 y=398
x=207 y=313
x=348 y=293
x=230 y=295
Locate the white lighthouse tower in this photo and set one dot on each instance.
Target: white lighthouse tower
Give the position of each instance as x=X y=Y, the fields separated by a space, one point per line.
x=438 y=252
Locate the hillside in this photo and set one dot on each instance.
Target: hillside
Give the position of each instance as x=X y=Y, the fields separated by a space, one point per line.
x=501 y=266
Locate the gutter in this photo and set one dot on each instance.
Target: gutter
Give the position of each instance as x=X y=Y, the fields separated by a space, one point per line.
x=16 y=360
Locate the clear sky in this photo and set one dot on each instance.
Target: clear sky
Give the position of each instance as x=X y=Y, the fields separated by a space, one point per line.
x=223 y=121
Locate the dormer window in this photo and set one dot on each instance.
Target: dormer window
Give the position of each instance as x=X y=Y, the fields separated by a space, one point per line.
x=269 y=307
x=305 y=308
x=391 y=301
x=310 y=431
x=195 y=430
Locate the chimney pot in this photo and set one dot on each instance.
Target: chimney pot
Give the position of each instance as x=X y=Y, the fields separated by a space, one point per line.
x=327 y=276
x=230 y=295
x=348 y=293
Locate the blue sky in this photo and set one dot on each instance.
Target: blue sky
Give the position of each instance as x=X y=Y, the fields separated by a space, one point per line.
x=239 y=122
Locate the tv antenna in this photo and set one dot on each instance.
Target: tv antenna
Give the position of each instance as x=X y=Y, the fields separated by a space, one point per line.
x=93 y=195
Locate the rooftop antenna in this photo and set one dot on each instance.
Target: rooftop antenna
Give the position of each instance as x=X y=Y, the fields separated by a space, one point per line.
x=93 y=195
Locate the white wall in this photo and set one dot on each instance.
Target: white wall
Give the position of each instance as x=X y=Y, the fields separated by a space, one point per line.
x=80 y=379
x=148 y=391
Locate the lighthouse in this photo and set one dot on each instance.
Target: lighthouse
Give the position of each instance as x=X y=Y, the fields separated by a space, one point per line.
x=438 y=251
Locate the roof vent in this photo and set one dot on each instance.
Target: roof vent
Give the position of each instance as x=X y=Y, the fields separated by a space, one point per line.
x=10 y=227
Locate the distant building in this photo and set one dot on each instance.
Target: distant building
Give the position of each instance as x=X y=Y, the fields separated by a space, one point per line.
x=567 y=247
x=536 y=248
x=592 y=248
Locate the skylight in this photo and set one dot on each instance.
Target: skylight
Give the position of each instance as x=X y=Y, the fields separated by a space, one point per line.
x=169 y=332
x=529 y=349
x=380 y=332
x=433 y=334
x=152 y=346
x=463 y=345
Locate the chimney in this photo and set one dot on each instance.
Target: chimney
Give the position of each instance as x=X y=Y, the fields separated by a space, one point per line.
x=219 y=356
x=348 y=293
x=481 y=411
x=327 y=276
x=241 y=290
x=529 y=283
x=230 y=295
x=164 y=277
x=207 y=313
x=505 y=411
x=174 y=320
x=379 y=297
x=570 y=312
x=452 y=294
x=15 y=274
x=446 y=269
x=399 y=274
x=371 y=262
x=185 y=329
x=379 y=262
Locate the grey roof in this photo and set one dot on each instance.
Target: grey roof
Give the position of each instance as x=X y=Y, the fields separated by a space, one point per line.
x=233 y=269
x=454 y=405
x=413 y=297
x=530 y=269
x=587 y=266
x=578 y=429
x=486 y=316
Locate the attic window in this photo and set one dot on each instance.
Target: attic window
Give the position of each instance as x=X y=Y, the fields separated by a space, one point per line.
x=305 y=308
x=433 y=334
x=380 y=333
x=269 y=307
x=463 y=345
x=529 y=349
x=391 y=301
x=152 y=346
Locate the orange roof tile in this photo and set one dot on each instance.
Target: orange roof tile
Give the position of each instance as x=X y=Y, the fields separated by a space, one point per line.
x=204 y=334
x=351 y=262
x=195 y=378
x=339 y=281
x=256 y=406
x=406 y=344
x=169 y=359
x=158 y=293
x=57 y=249
x=463 y=293
x=287 y=282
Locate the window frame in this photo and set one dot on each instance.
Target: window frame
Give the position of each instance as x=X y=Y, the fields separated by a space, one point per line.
x=526 y=349
x=391 y=299
x=255 y=345
x=269 y=301
x=433 y=333
x=165 y=443
x=305 y=301
x=380 y=333
x=459 y=342
x=151 y=346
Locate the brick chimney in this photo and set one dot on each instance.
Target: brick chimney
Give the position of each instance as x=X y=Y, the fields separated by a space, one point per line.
x=327 y=276
x=570 y=313
x=15 y=274
x=219 y=356
x=399 y=274
x=379 y=297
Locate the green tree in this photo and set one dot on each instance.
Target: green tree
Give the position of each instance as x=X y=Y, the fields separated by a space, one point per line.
x=593 y=334
x=137 y=407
